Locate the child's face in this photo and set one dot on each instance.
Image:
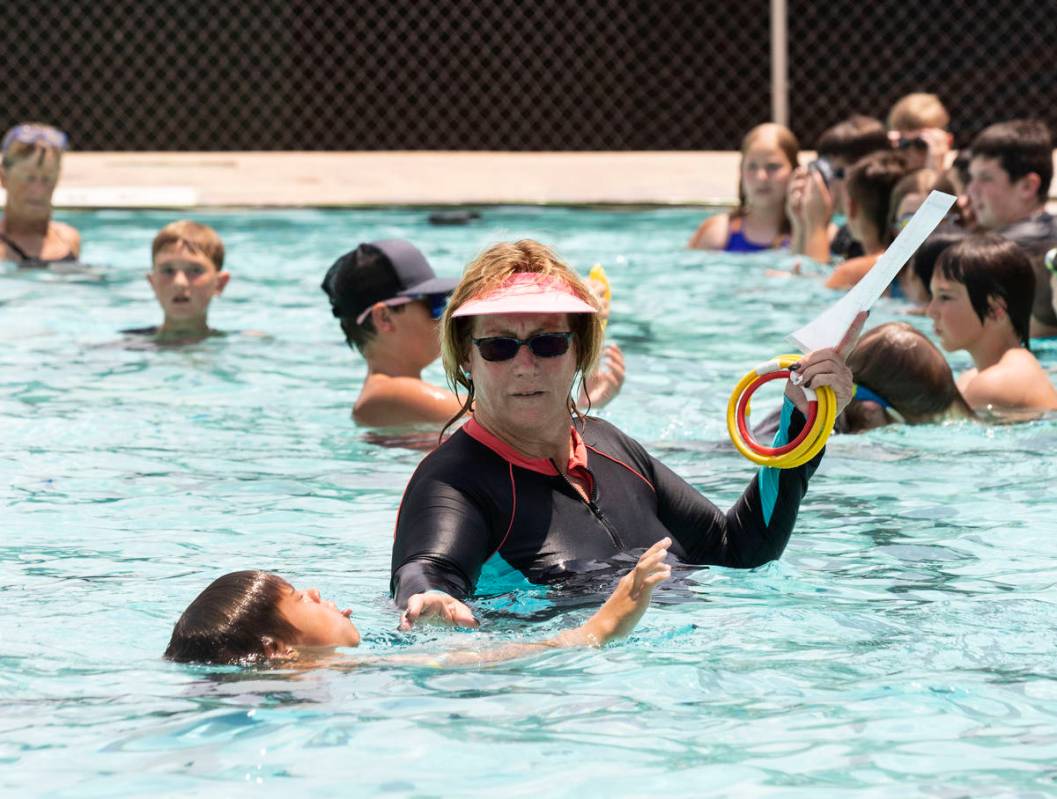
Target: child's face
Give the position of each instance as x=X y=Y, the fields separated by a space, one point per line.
x=765 y=173
x=318 y=620
x=184 y=282
x=952 y=315
x=996 y=200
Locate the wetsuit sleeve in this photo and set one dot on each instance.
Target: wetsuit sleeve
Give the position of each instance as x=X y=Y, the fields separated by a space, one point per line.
x=442 y=541
x=754 y=531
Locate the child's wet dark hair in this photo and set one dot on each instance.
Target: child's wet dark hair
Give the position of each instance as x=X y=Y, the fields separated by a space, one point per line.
x=234 y=620
x=991 y=266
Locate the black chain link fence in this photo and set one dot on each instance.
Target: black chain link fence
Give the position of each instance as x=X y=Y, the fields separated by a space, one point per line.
x=989 y=61
x=502 y=74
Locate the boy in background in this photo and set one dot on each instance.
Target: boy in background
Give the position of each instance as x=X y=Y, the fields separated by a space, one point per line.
x=187 y=272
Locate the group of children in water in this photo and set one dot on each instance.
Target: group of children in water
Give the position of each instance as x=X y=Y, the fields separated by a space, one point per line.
x=984 y=279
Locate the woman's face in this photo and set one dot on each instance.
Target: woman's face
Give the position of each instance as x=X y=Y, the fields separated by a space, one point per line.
x=318 y=620
x=952 y=315
x=527 y=393
x=30 y=184
x=765 y=173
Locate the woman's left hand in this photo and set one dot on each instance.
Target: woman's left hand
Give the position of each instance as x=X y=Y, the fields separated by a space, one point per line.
x=826 y=367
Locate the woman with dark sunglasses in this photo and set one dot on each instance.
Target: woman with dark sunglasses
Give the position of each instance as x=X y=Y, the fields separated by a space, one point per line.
x=551 y=492
x=29 y=172
x=389 y=301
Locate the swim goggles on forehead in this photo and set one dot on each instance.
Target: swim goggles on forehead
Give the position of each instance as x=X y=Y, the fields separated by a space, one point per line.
x=864 y=394
x=436 y=302
x=542 y=345
x=1051 y=261
x=35 y=134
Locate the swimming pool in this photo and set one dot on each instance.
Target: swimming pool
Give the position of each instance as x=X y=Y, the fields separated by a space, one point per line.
x=904 y=645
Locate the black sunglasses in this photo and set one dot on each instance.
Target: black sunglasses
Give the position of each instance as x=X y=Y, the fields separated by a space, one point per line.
x=503 y=348
x=915 y=142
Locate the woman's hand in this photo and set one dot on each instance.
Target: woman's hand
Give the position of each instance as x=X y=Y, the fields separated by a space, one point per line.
x=605 y=383
x=436 y=606
x=826 y=367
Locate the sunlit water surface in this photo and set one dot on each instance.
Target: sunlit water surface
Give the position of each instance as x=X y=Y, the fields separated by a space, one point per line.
x=904 y=645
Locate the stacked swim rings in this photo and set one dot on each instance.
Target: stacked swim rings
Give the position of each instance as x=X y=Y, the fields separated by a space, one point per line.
x=821 y=414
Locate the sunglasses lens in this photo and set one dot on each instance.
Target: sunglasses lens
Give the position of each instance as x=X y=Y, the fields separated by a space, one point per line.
x=497 y=349
x=549 y=345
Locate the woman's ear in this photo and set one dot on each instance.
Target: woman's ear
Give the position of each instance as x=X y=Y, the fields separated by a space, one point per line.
x=382 y=317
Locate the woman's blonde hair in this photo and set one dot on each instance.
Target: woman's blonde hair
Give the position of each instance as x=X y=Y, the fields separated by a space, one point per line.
x=486 y=273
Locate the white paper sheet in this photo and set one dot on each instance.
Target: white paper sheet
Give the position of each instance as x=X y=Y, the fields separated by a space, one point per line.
x=829 y=327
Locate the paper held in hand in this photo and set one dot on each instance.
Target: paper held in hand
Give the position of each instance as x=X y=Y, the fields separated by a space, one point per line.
x=829 y=327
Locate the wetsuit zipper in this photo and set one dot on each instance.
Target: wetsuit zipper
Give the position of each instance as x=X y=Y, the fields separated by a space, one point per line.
x=595 y=510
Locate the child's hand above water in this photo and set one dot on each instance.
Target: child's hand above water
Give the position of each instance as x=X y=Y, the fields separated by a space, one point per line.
x=629 y=600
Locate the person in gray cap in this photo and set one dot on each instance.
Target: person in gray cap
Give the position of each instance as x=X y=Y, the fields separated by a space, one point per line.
x=389 y=302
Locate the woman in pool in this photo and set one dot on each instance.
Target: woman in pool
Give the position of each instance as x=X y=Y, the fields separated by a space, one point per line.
x=254 y=616
x=768 y=157
x=982 y=293
x=388 y=300
x=29 y=171
x=548 y=491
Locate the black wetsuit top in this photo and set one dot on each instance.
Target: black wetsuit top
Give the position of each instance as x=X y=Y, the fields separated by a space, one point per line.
x=467 y=502
x=34 y=260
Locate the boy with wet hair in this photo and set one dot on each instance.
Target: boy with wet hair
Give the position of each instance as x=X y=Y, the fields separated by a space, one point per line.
x=870 y=184
x=1009 y=181
x=841 y=146
x=187 y=272
x=917 y=125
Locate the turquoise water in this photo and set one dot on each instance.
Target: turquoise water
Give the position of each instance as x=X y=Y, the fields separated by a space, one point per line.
x=903 y=646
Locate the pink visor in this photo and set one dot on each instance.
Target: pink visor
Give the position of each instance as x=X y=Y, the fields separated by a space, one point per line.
x=527 y=292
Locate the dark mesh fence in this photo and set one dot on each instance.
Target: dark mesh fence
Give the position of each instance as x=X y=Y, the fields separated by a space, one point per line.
x=501 y=74
x=400 y=74
x=989 y=61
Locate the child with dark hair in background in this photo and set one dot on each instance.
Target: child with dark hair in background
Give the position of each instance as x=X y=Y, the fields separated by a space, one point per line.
x=1009 y=181
x=256 y=617
x=982 y=291
x=838 y=148
x=870 y=184
x=769 y=155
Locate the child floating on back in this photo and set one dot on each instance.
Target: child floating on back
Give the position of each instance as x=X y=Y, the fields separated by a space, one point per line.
x=255 y=616
x=187 y=272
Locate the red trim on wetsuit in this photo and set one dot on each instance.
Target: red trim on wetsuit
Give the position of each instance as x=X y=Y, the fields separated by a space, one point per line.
x=576 y=467
x=621 y=463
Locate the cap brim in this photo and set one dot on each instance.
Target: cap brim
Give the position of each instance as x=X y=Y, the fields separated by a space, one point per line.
x=550 y=302
x=436 y=285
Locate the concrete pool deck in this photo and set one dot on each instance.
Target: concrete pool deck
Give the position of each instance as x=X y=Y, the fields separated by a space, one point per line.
x=327 y=179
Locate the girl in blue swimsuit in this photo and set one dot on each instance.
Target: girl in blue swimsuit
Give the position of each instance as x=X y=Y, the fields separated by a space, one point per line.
x=768 y=157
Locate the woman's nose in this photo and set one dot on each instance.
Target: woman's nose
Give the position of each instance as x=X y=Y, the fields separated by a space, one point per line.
x=313 y=594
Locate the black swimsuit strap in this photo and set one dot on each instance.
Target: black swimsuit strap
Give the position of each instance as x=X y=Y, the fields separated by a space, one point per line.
x=18 y=250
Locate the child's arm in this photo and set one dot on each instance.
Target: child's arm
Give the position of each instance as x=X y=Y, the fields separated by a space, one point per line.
x=615 y=619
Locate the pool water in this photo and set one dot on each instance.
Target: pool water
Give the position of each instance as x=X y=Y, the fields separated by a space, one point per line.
x=903 y=646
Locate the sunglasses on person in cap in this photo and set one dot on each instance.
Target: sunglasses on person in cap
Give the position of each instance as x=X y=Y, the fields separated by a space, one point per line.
x=436 y=303
x=35 y=134
x=542 y=345
x=1051 y=261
